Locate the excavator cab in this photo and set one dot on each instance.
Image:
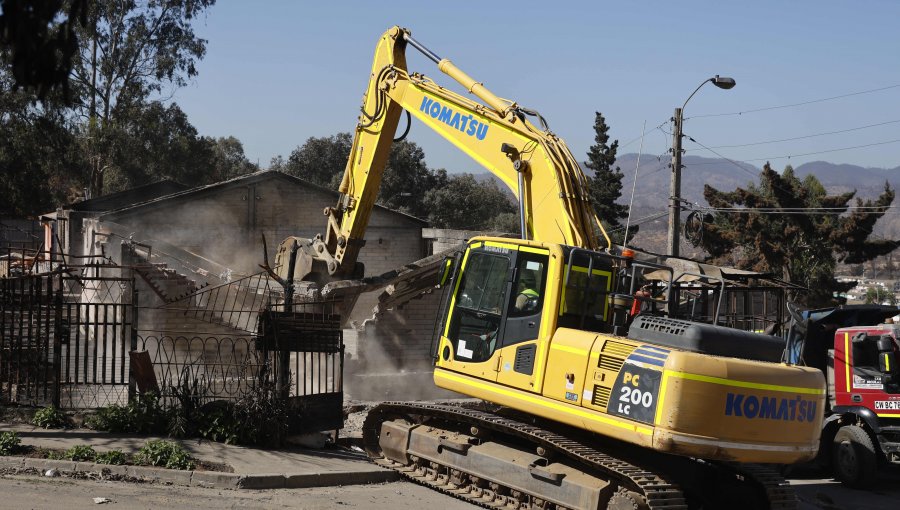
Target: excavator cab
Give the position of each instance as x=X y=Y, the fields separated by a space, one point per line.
x=510 y=296
x=498 y=301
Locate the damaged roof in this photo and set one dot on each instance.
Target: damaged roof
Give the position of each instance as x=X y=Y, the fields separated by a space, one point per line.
x=128 y=197
x=242 y=180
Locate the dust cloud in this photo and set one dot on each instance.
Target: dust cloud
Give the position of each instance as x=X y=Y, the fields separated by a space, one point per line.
x=376 y=374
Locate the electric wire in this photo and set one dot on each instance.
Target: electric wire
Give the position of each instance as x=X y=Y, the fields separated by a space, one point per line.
x=793 y=105
x=753 y=174
x=806 y=136
x=735 y=163
x=785 y=212
x=789 y=156
x=641 y=221
x=661 y=124
x=800 y=209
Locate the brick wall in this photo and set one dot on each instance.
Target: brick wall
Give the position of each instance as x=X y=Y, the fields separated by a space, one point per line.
x=441 y=239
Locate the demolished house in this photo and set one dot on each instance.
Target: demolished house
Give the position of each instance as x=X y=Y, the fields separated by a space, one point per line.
x=212 y=235
x=193 y=258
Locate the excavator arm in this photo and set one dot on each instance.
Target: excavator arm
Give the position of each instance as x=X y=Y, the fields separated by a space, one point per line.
x=534 y=163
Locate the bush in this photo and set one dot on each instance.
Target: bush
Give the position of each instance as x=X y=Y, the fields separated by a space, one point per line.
x=80 y=452
x=164 y=453
x=113 y=418
x=49 y=418
x=217 y=423
x=145 y=415
x=148 y=414
x=115 y=457
x=261 y=417
x=9 y=443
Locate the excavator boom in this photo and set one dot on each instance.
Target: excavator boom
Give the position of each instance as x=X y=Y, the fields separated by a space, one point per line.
x=533 y=162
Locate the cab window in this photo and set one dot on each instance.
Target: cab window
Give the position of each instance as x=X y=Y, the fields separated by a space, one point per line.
x=531 y=274
x=526 y=300
x=479 y=301
x=586 y=288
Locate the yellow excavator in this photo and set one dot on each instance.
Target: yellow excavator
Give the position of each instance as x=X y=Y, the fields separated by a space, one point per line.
x=594 y=405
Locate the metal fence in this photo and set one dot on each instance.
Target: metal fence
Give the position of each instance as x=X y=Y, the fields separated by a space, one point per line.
x=235 y=304
x=65 y=337
x=70 y=338
x=299 y=353
x=204 y=367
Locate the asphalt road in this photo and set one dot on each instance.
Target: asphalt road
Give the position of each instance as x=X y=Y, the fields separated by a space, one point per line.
x=816 y=492
x=36 y=492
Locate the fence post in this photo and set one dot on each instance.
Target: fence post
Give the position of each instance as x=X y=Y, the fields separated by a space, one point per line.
x=57 y=339
x=132 y=384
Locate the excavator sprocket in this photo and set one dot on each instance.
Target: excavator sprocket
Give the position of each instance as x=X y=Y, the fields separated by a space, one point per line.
x=498 y=462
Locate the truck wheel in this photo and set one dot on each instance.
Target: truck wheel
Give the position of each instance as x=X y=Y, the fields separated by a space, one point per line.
x=853 y=457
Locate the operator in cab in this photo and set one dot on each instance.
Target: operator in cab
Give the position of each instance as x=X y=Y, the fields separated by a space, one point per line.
x=527 y=298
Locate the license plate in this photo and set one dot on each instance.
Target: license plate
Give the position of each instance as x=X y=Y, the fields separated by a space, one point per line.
x=887 y=405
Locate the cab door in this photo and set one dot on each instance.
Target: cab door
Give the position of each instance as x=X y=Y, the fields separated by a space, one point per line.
x=494 y=323
x=473 y=331
x=521 y=356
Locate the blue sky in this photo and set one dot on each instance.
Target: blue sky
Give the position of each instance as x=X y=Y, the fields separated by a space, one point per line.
x=279 y=72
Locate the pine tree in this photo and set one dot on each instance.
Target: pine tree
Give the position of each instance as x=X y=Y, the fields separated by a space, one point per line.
x=794 y=230
x=606 y=181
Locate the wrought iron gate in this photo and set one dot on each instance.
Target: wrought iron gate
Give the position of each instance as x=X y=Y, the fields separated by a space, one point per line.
x=65 y=337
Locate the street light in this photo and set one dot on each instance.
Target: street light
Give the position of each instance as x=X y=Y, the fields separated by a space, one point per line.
x=722 y=82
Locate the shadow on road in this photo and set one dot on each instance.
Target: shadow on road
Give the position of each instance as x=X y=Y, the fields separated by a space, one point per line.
x=817 y=490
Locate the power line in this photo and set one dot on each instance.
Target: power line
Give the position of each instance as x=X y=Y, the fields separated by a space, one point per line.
x=806 y=136
x=789 y=156
x=661 y=124
x=641 y=221
x=802 y=209
x=785 y=212
x=723 y=157
x=756 y=110
x=736 y=164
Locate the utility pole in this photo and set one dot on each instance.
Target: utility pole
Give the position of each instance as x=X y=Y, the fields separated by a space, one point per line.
x=672 y=241
x=723 y=82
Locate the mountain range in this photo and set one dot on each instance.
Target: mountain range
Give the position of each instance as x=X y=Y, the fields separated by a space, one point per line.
x=651 y=191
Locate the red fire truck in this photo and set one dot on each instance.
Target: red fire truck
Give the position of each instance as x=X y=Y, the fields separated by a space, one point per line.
x=858 y=349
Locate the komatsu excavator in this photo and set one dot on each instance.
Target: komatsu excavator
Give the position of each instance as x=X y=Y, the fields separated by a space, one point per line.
x=594 y=406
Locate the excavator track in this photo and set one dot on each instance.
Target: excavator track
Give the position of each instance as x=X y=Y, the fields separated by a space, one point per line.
x=652 y=491
x=630 y=486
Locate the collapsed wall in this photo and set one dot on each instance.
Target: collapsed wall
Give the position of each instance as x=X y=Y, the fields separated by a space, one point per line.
x=392 y=356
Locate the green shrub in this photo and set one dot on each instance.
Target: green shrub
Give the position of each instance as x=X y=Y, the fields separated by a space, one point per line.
x=217 y=423
x=148 y=414
x=261 y=417
x=143 y=415
x=113 y=418
x=9 y=443
x=80 y=452
x=164 y=453
x=185 y=415
x=49 y=418
x=115 y=457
